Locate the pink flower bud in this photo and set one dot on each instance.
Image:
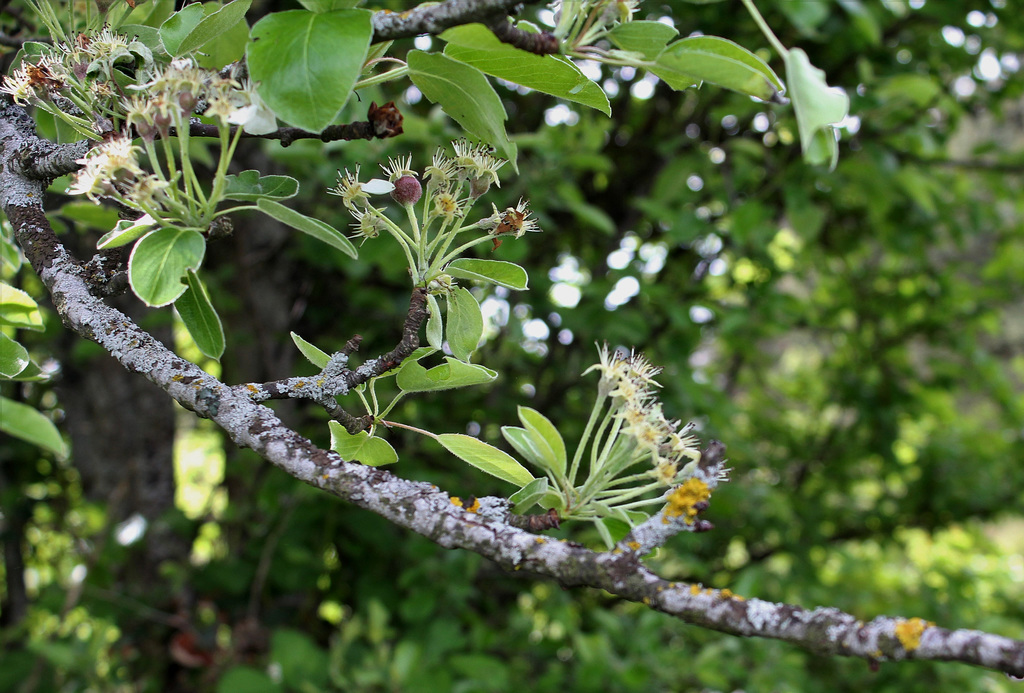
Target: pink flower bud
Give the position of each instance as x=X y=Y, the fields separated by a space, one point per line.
x=407 y=191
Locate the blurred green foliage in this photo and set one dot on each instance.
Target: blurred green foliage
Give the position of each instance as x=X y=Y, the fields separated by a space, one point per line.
x=854 y=337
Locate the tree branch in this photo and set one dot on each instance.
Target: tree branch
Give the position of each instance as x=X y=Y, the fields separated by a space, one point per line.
x=429 y=511
x=433 y=19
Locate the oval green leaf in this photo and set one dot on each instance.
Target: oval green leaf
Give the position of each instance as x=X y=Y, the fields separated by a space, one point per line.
x=315 y=355
x=556 y=75
x=159 y=261
x=250 y=186
x=361 y=447
x=644 y=37
x=13 y=357
x=176 y=27
x=542 y=428
x=529 y=495
x=125 y=231
x=24 y=422
x=507 y=274
x=465 y=323
x=212 y=26
x=200 y=318
x=534 y=451
x=413 y=377
x=465 y=95
x=308 y=225
x=819 y=108
x=718 y=61
x=486 y=458
x=18 y=309
x=307 y=63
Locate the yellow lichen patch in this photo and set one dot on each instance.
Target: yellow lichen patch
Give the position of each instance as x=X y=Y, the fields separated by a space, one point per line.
x=694 y=589
x=647 y=601
x=470 y=505
x=540 y=540
x=634 y=545
x=252 y=388
x=177 y=378
x=726 y=594
x=681 y=502
x=909 y=633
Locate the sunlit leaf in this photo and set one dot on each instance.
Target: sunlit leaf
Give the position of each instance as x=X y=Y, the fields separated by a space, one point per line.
x=507 y=274
x=361 y=447
x=486 y=458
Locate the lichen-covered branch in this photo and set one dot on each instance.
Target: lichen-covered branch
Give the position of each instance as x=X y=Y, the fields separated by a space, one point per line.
x=482 y=526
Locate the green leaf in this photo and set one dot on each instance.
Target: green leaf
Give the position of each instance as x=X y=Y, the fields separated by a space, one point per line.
x=13 y=357
x=647 y=38
x=413 y=377
x=371 y=451
x=435 y=325
x=90 y=215
x=159 y=261
x=210 y=27
x=246 y=680
x=543 y=429
x=179 y=25
x=125 y=231
x=465 y=323
x=465 y=95
x=486 y=458
x=533 y=449
x=303 y=665
x=32 y=373
x=316 y=356
x=321 y=6
x=819 y=108
x=507 y=274
x=718 y=61
x=18 y=309
x=24 y=422
x=529 y=495
x=200 y=319
x=250 y=186
x=556 y=75
x=314 y=227
x=306 y=63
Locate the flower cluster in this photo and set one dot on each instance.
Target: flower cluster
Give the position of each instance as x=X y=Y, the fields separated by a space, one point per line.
x=628 y=381
x=450 y=187
x=86 y=81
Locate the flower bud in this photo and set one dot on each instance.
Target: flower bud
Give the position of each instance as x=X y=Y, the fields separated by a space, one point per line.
x=407 y=191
